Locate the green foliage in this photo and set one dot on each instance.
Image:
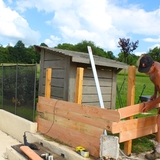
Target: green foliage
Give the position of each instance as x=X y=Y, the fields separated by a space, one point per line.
x=19 y=54
x=141 y=80
x=82 y=47
x=65 y=46
x=20 y=82
x=155 y=53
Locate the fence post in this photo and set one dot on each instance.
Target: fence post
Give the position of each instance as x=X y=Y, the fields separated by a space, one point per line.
x=130 y=101
x=48 y=82
x=79 y=84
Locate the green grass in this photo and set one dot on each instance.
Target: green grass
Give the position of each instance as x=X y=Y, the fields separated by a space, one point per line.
x=140 y=144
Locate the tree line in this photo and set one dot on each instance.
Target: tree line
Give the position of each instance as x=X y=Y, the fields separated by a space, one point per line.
x=21 y=54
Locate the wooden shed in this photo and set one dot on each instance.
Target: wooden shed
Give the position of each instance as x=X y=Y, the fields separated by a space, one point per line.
x=64 y=64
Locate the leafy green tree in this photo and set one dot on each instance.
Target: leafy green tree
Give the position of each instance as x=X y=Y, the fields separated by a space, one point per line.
x=82 y=47
x=110 y=55
x=43 y=44
x=20 y=52
x=32 y=56
x=155 y=53
x=66 y=46
x=3 y=55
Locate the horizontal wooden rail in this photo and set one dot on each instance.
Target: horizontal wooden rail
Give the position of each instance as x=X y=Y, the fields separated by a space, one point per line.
x=130 y=110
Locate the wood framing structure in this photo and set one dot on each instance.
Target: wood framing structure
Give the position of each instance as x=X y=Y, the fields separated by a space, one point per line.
x=78 y=124
x=64 y=66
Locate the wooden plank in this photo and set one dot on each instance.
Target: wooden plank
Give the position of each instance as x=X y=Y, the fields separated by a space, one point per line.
x=53 y=56
x=30 y=153
x=48 y=83
x=93 y=90
x=58 y=82
x=91 y=111
x=54 y=64
x=82 y=118
x=130 y=110
x=92 y=98
x=132 y=124
x=101 y=73
x=132 y=134
x=89 y=81
x=57 y=73
x=69 y=136
x=107 y=105
x=79 y=83
x=56 y=92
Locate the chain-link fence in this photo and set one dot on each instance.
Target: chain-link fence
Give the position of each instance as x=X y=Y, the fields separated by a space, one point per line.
x=18 y=89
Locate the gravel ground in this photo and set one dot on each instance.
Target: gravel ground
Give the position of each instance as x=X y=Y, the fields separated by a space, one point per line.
x=136 y=156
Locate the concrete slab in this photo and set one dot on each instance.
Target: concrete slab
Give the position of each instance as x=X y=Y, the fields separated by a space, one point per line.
x=6 y=141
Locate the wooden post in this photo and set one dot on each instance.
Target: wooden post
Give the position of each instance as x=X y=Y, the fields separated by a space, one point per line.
x=48 y=82
x=79 y=84
x=130 y=101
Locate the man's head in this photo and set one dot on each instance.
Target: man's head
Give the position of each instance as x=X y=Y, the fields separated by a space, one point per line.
x=145 y=64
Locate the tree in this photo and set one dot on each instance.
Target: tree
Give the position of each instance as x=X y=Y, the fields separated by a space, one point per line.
x=110 y=55
x=82 y=47
x=3 y=54
x=66 y=46
x=20 y=52
x=43 y=44
x=127 y=47
x=155 y=53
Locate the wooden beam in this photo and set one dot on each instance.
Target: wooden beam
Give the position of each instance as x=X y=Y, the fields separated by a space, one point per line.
x=48 y=82
x=130 y=101
x=133 y=124
x=130 y=110
x=30 y=153
x=139 y=132
x=85 y=110
x=79 y=84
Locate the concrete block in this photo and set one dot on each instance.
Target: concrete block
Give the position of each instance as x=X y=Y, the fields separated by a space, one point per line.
x=109 y=146
x=15 y=126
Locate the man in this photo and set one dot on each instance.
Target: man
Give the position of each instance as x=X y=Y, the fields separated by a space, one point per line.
x=152 y=68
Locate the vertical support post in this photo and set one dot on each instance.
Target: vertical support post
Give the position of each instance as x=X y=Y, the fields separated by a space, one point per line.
x=130 y=101
x=79 y=84
x=48 y=83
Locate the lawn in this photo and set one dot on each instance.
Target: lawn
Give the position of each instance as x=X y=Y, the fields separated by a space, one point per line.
x=141 y=81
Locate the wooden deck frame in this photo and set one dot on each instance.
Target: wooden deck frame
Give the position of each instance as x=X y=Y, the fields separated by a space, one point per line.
x=77 y=124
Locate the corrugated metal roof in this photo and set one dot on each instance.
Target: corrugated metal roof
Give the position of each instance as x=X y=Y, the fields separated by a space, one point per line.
x=81 y=57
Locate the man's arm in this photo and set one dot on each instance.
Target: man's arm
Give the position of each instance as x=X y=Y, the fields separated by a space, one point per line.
x=151 y=104
x=154 y=96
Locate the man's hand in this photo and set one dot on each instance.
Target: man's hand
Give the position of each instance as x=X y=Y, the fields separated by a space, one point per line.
x=147 y=106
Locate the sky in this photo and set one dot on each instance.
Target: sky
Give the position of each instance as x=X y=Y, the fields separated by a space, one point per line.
x=103 y=22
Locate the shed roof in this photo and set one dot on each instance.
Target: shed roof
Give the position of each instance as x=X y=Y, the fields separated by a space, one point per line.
x=81 y=57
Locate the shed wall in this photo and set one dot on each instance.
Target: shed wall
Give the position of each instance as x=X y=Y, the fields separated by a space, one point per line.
x=60 y=69
x=106 y=78
x=63 y=81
